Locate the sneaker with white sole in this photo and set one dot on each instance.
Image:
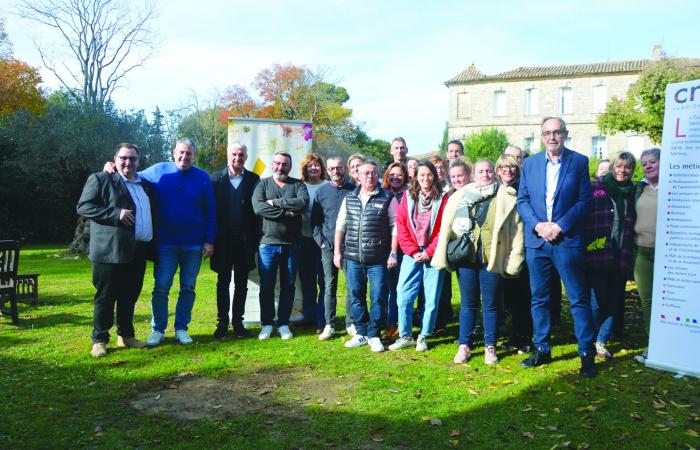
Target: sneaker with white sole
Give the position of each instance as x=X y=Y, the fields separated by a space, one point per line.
x=99 y=350
x=351 y=329
x=129 y=342
x=463 y=354
x=327 y=333
x=182 y=337
x=265 y=333
x=356 y=341
x=375 y=344
x=602 y=351
x=490 y=357
x=421 y=343
x=155 y=338
x=285 y=333
x=402 y=342
x=297 y=317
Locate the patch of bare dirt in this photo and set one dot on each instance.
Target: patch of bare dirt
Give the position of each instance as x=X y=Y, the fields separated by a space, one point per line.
x=284 y=394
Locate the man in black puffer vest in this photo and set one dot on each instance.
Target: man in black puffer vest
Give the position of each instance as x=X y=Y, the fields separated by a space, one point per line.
x=365 y=243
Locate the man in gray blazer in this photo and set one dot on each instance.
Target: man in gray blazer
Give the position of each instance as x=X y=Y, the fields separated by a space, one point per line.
x=121 y=233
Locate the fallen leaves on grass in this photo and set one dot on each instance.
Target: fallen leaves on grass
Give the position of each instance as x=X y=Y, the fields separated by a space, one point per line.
x=266 y=389
x=454 y=433
x=432 y=420
x=529 y=435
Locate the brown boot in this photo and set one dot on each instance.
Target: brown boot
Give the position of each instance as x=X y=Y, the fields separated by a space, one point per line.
x=129 y=342
x=99 y=349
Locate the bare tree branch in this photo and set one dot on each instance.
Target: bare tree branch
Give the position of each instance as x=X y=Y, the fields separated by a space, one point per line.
x=106 y=39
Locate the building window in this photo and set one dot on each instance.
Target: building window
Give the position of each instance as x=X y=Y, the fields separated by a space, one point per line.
x=529 y=145
x=499 y=103
x=565 y=100
x=531 y=102
x=464 y=105
x=599 y=147
x=600 y=98
x=567 y=142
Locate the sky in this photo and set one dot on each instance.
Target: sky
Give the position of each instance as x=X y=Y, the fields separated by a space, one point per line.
x=393 y=57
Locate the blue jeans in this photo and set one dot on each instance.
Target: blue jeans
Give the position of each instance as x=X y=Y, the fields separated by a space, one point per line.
x=270 y=259
x=569 y=263
x=392 y=317
x=414 y=274
x=189 y=258
x=312 y=282
x=367 y=323
x=476 y=283
x=607 y=293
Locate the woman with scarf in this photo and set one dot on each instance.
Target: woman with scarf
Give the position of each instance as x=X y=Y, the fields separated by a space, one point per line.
x=482 y=217
x=395 y=180
x=417 y=226
x=609 y=239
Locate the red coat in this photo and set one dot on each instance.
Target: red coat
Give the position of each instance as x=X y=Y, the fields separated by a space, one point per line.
x=406 y=230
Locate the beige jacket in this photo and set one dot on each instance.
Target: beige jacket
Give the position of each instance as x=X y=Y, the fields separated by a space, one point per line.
x=507 y=252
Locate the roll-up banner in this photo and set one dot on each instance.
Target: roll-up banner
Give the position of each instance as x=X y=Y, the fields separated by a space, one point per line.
x=675 y=332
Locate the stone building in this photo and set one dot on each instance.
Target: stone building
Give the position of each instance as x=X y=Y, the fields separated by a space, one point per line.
x=515 y=102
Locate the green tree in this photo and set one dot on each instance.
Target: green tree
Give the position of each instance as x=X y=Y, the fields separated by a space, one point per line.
x=642 y=110
x=488 y=143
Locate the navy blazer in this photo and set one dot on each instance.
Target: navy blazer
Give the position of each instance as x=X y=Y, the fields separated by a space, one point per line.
x=572 y=197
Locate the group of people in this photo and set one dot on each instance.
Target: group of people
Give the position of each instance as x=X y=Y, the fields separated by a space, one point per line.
x=508 y=229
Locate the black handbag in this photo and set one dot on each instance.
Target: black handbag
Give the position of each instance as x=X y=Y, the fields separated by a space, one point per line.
x=461 y=250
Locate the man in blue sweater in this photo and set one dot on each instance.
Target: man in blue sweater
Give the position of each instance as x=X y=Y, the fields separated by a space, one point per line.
x=185 y=230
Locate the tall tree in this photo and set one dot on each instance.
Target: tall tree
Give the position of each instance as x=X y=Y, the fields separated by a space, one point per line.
x=5 y=43
x=19 y=87
x=642 y=111
x=105 y=39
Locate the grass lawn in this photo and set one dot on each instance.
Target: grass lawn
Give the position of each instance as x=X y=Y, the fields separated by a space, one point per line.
x=243 y=393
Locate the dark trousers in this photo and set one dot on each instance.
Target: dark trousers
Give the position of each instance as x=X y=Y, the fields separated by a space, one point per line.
x=120 y=284
x=236 y=261
x=445 y=313
x=517 y=298
x=330 y=295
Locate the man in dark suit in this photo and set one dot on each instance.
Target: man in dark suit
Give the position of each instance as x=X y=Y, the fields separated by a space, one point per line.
x=237 y=239
x=121 y=233
x=554 y=196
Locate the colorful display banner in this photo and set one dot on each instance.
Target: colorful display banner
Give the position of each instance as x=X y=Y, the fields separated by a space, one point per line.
x=675 y=331
x=265 y=137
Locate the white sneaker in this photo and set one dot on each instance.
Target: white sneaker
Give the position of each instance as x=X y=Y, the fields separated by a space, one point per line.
x=421 y=344
x=297 y=317
x=402 y=342
x=351 y=329
x=284 y=332
x=265 y=333
x=327 y=333
x=375 y=344
x=182 y=337
x=155 y=338
x=356 y=341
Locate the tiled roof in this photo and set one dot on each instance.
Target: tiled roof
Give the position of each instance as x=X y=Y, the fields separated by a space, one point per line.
x=474 y=74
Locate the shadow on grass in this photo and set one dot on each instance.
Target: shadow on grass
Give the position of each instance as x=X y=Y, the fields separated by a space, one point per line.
x=87 y=402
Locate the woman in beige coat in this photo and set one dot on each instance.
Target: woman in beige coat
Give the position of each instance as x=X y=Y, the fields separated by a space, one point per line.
x=485 y=212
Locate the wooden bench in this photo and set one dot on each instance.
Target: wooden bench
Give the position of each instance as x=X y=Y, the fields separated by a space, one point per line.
x=28 y=288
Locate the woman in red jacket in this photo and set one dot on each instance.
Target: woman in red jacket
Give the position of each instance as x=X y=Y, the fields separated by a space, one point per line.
x=417 y=226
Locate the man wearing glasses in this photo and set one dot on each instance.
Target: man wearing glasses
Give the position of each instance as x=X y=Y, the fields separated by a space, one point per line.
x=324 y=214
x=554 y=196
x=121 y=233
x=279 y=200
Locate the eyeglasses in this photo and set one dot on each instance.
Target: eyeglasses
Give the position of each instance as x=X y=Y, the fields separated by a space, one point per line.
x=557 y=133
x=130 y=158
x=508 y=167
x=335 y=168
